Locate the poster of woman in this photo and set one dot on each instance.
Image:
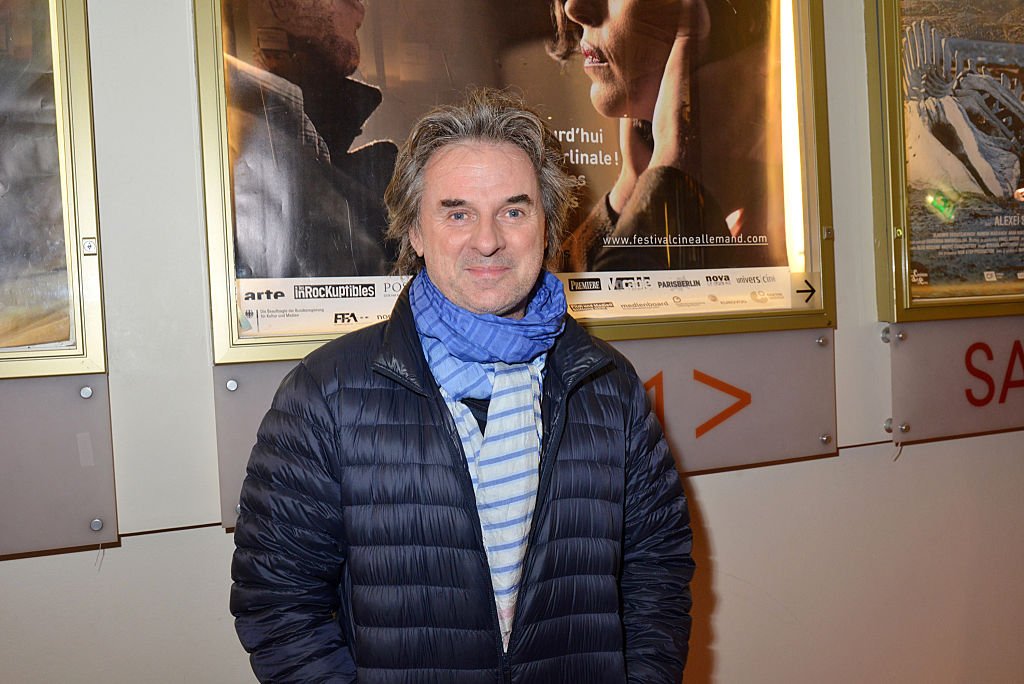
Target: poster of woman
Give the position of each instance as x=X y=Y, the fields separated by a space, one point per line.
x=691 y=87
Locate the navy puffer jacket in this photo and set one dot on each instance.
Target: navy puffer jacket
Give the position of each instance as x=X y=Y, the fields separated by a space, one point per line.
x=359 y=553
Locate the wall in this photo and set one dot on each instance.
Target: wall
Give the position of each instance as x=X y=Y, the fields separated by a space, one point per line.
x=869 y=567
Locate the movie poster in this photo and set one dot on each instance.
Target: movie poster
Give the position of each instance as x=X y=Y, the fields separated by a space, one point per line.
x=669 y=119
x=35 y=303
x=964 y=125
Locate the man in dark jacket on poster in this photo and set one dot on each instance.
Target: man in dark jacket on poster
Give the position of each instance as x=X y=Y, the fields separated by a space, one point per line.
x=475 y=490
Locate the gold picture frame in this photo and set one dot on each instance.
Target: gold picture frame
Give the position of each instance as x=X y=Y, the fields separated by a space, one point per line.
x=946 y=164
x=52 y=321
x=259 y=308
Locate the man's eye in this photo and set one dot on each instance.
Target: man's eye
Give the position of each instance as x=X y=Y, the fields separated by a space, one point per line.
x=516 y=213
x=458 y=216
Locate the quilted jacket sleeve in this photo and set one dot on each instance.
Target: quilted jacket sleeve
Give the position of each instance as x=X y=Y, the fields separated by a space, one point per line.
x=657 y=566
x=289 y=544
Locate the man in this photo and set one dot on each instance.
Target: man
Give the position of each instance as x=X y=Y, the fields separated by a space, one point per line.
x=476 y=490
x=304 y=204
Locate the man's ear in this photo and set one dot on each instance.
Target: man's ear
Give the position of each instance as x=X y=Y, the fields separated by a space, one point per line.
x=416 y=240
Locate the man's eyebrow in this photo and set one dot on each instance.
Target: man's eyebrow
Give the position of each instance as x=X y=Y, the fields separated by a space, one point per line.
x=523 y=198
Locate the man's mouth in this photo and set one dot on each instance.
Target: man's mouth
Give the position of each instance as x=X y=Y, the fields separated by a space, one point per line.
x=591 y=55
x=488 y=271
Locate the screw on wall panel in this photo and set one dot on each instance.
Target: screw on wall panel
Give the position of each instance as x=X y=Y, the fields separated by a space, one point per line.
x=887 y=425
x=96 y=525
x=904 y=427
x=829 y=233
x=232 y=385
x=89 y=247
x=899 y=233
x=85 y=392
x=901 y=336
x=822 y=341
x=825 y=438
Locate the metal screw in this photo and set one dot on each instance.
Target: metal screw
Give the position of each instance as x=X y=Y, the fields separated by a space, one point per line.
x=899 y=233
x=96 y=525
x=232 y=385
x=901 y=336
x=85 y=392
x=89 y=246
x=887 y=425
x=825 y=438
x=904 y=427
x=829 y=233
x=822 y=341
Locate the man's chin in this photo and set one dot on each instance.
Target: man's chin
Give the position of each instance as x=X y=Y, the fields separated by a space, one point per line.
x=351 y=62
x=496 y=308
x=342 y=56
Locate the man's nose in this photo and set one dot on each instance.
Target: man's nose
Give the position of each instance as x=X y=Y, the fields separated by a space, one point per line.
x=586 y=12
x=487 y=237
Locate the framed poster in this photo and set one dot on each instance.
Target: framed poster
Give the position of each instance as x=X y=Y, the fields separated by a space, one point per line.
x=950 y=192
x=51 y=314
x=659 y=110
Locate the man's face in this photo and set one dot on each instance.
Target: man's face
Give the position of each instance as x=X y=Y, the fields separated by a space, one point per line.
x=329 y=26
x=481 y=226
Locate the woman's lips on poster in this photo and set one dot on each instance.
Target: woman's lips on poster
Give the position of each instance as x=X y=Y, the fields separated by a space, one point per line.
x=592 y=57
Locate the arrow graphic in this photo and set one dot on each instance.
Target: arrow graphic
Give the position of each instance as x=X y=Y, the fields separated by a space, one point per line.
x=810 y=292
x=742 y=401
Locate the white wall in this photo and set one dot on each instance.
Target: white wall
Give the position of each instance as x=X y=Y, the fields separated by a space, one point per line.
x=859 y=568
x=154 y=263
x=864 y=568
x=153 y=610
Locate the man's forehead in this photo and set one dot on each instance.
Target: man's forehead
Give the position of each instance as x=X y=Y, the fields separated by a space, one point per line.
x=458 y=170
x=469 y=150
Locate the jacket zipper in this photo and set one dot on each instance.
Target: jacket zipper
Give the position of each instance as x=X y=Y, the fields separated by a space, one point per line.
x=455 y=445
x=557 y=427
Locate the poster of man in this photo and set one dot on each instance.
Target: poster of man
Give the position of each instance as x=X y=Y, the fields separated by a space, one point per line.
x=305 y=203
x=668 y=112
x=35 y=306
x=964 y=126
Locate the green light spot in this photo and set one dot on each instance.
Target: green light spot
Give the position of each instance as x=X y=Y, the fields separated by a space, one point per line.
x=941 y=205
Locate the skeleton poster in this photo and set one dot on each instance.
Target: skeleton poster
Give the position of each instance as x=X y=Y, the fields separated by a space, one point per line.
x=35 y=307
x=963 y=67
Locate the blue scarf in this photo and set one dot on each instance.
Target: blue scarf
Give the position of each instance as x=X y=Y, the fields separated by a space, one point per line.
x=487 y=338
x=484 y=356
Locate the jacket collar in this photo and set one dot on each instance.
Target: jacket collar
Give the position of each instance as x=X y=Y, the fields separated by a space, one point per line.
x=573 y=356
x=401 y=354
x=259 y=91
